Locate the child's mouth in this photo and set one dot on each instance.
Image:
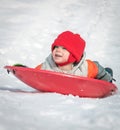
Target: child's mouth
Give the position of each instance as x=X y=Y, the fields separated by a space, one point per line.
x=58 y=55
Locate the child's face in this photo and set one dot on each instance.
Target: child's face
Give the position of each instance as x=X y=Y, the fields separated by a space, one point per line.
x=60 y=54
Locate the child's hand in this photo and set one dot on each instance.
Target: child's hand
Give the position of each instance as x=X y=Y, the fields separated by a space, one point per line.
x=19 y=65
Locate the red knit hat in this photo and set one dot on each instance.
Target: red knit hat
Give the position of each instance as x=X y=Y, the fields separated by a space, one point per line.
x=73 y=43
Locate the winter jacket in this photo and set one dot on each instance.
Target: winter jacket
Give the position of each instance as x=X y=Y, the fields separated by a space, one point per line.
x=85 y=68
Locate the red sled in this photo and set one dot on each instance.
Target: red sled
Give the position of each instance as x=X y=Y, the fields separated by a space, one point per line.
x=48 y=81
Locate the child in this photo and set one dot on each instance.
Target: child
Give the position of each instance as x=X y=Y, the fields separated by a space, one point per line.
x=68 y=56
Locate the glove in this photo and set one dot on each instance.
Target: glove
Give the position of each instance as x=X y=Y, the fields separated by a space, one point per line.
x=19 y=65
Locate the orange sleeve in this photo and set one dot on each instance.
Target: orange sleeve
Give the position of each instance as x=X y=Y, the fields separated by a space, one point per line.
x=92 y=69
x=38 y=67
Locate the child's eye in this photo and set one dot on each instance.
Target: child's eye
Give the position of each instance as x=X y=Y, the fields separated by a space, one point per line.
x=60 y=47
x=63 y=48
x=56 y=47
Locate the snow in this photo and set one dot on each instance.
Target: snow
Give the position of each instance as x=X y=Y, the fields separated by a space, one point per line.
x=27 y=29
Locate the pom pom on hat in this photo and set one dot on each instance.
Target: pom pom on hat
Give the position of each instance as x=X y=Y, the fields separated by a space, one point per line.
x=73 y=43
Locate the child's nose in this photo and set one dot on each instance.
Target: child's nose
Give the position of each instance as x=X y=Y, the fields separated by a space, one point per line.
x=59 y=49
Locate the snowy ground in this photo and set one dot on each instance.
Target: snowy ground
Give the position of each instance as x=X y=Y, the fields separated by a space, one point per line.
x=27 y=29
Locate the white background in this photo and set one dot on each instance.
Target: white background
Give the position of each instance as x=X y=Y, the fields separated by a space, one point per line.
x=27 y=30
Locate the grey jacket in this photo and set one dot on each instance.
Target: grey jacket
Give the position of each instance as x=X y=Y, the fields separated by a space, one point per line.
x=80 y=69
